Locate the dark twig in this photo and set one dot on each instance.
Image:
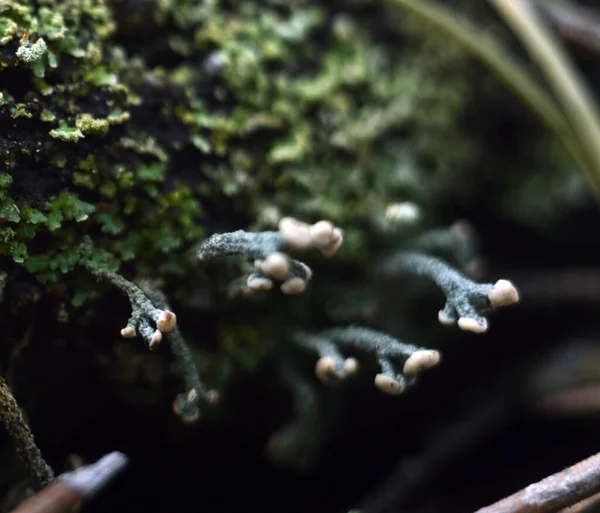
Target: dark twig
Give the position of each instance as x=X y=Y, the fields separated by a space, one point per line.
x=68 y=491
x=560 y=490
x=16 y=426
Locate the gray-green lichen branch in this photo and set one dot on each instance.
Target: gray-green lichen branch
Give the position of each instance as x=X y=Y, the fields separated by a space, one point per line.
x=466 y=301
x=186 y=405
x=268 y=251
x=151 y=307
x=143 y=313
x=391 y=355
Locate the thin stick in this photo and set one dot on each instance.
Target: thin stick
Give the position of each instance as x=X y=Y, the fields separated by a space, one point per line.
x=560 y=490
x=14 y=423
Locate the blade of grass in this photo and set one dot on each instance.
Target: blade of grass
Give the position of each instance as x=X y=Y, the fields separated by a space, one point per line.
x=570 y=89
x=507 y=69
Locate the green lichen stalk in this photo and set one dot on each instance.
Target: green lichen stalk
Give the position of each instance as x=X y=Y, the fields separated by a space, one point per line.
x=390 y=354
x=331 y=366
x=267 y=252
x=466 y=301
x=144 y=312
x=186 y=405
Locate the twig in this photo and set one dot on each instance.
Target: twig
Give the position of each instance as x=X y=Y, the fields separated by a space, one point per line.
x=69 y=490
x=560 y=490
x=29 y=453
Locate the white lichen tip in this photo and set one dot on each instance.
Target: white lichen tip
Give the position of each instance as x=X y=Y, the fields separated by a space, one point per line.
x=166 y=321
x=323 y=235
x=336 y=240
x=276 y=266
x=294 y=233
x=155 y=340
x=326 y=236
x=468 y=324
x=259 y=283
x=388 y=385
x=293 y=286
x=128 y=332
x=325 y=370
x=421 y=360
x=351 y=366
x=503 y=293
x=444 y=319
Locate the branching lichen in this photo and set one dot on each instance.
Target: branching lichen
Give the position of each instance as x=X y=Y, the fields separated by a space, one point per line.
x=144 y=312
x=150 y=307
x=186 y=405
x=466 y=301
x=269 y=108
x=267 y=251
x=391 y=355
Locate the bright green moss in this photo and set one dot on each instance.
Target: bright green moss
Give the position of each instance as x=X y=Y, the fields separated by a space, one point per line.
x=66 y=133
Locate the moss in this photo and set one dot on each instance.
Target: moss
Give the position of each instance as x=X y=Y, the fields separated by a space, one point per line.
x=141 y=128
x=66 y=133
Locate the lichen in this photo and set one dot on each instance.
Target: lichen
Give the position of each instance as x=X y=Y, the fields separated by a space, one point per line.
x=135 y=133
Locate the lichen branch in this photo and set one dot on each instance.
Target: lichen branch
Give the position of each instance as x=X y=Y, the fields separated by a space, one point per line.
x=268 y=252
x=466 y=301
x=151 y=306
x=143 y=311
x=391 y=355
x=186 y=405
